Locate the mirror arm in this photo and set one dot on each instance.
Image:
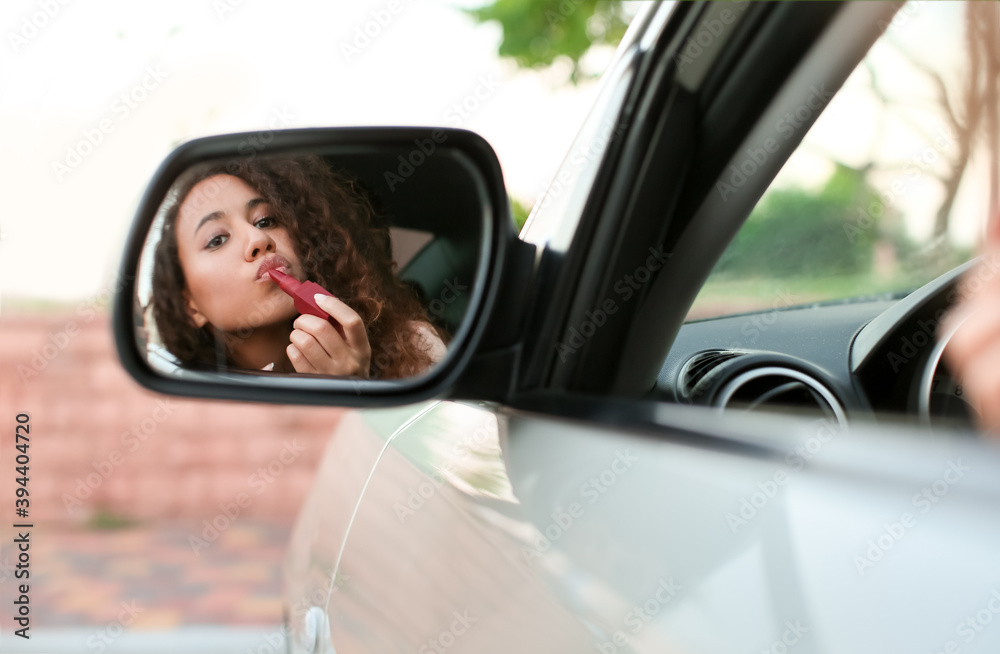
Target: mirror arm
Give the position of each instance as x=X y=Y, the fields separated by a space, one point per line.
x=492 y=371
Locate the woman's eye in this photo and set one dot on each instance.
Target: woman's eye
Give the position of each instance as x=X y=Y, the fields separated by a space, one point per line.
x=216 y=241
x=265 y=222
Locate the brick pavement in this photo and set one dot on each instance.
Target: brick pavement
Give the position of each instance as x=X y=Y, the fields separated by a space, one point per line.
x=178 y=468
x=103 y=444
x=86 y=578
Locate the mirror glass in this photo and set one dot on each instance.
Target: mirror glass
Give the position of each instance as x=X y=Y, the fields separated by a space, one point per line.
x=240 y=247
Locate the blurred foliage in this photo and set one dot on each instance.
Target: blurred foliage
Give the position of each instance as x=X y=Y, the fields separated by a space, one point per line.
x=536 y=32
x=795 y=232
x=519 y=212
x=104 y=519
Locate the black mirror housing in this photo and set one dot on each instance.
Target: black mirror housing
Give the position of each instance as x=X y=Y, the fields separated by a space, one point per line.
x=443 y=182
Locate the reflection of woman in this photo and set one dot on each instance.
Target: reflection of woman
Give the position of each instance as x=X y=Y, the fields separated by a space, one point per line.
x=228 y=224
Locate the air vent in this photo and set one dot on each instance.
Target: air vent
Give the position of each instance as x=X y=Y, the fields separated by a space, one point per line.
x=780 y=389
x=699 y=367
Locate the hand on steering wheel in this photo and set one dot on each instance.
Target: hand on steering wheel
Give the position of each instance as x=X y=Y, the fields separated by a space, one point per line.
x=973 y=352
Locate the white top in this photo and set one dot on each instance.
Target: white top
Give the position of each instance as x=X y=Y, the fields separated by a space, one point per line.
x=428 y=340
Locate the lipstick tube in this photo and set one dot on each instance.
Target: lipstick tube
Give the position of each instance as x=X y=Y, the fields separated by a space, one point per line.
x=302 y=293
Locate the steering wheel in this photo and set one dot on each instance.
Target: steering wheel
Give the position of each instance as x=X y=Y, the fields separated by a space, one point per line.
x=956 y=405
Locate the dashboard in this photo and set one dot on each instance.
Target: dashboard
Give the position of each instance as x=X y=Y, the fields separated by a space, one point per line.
x=869 y=358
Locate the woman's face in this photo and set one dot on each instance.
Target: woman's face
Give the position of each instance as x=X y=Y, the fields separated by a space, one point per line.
x=227 y=240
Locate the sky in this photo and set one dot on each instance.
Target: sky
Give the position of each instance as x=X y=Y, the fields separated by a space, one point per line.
x=94 y=95
x=907 y=139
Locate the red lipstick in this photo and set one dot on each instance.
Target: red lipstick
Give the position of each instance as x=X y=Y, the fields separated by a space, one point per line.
x=302 y=293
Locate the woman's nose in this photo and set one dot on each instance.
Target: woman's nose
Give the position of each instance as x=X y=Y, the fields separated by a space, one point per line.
x=258 y=243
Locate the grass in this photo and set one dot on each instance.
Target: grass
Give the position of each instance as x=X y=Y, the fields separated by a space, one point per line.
x=726 y=296
x=106 y=520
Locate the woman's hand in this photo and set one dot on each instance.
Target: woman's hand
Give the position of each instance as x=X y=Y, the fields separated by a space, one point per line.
x=318 y=346
x=973 y=354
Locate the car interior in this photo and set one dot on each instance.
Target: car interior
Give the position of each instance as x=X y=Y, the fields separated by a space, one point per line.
x=869 y=358
x=448 y=249
x=697 y=173
x=873 y=350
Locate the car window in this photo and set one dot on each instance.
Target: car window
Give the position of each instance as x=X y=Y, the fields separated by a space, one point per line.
x=888 y=189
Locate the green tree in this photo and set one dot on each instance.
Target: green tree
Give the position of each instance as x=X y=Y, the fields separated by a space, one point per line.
x=518 y=212
x=798 y=233
x=536 y=32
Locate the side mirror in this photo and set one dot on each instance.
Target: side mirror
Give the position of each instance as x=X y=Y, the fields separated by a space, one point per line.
x=408 y=229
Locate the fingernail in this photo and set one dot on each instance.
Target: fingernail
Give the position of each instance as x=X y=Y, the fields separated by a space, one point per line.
x=318 y=296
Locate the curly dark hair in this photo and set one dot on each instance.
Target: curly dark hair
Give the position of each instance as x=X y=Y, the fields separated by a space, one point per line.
x=340 y=242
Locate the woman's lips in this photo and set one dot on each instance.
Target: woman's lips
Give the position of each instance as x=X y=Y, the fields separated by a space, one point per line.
x=274 y=262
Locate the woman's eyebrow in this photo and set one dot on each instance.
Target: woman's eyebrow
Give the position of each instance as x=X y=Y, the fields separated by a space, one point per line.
x=215 y=215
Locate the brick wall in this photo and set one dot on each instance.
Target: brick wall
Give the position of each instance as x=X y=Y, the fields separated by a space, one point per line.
x=99 y=442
